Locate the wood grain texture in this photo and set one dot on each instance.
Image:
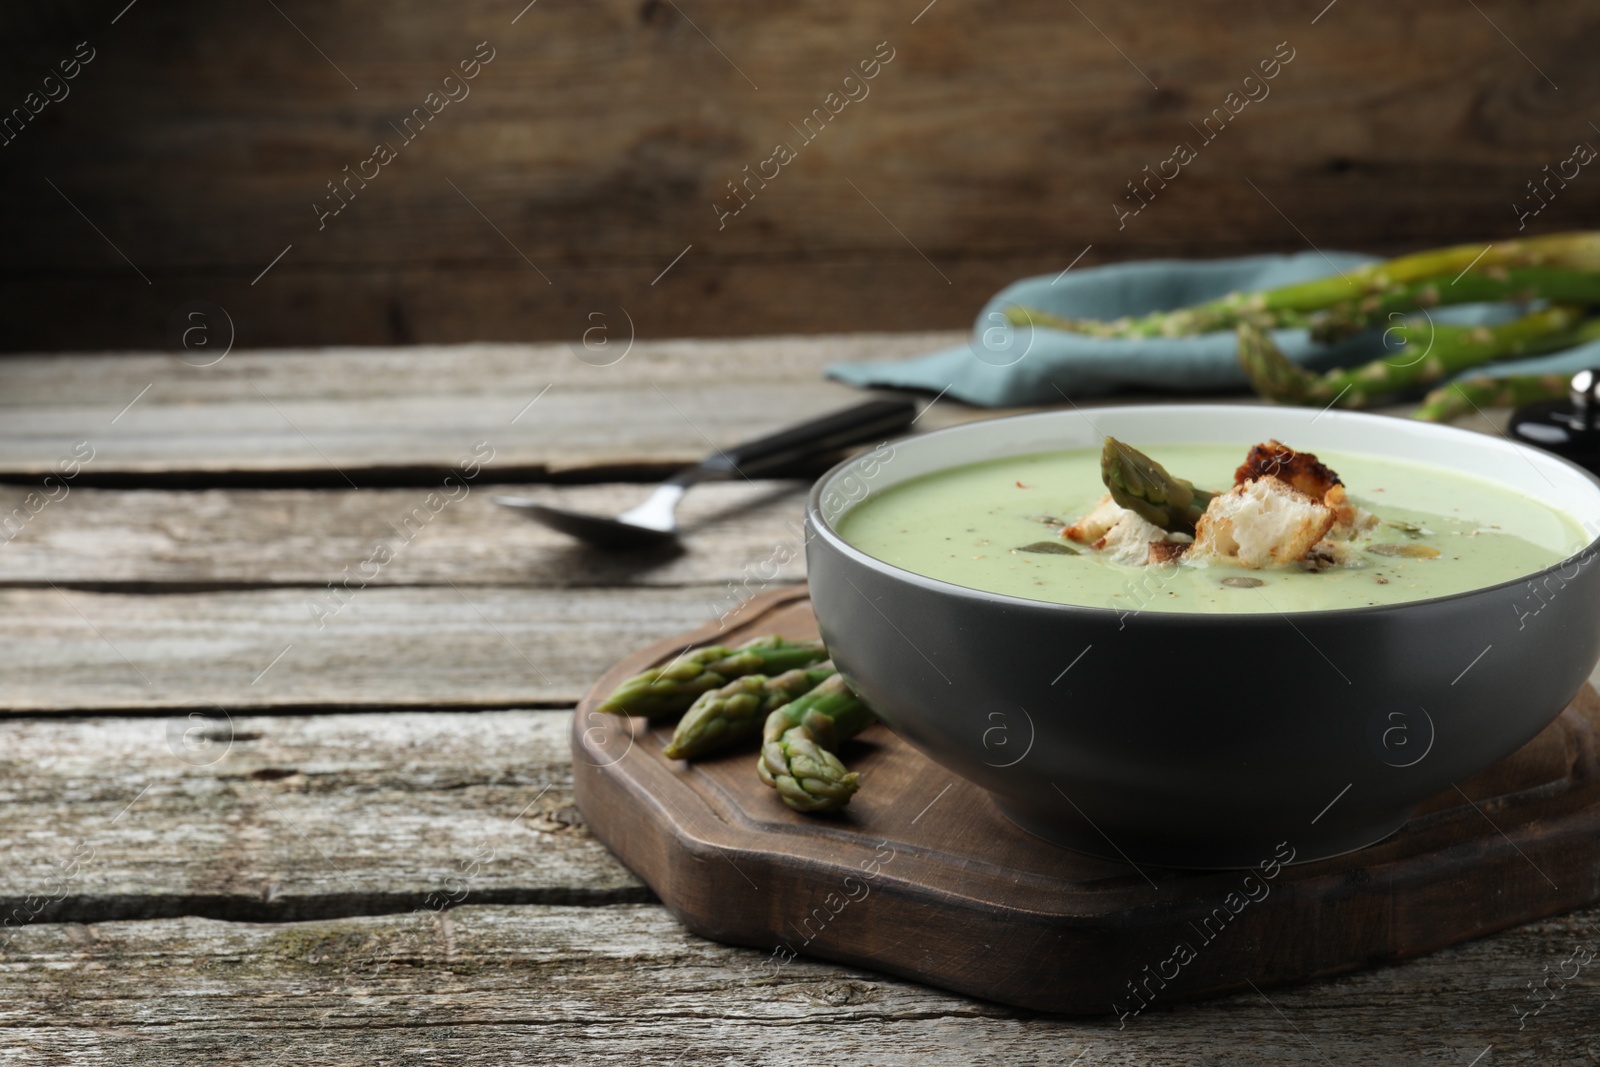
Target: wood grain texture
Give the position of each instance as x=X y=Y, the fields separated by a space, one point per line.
x=288 y=817
x=991 y=146
x=960 y=897
x=626 y=985
x=370 y=416
x=425 y=412
x=444 y=647
x=747 y=534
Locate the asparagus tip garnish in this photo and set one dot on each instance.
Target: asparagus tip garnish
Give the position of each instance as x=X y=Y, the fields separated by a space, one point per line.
x=1144 y=487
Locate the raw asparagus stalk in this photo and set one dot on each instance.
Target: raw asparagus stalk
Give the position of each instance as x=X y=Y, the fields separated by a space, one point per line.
x=1143 y=486
x=1272 y=374
x=672 y=688
x=1181 y=322
x=1452 y=401
x=798 y=745
x=1520 y=284
x=831 y=711
x=807 y=776
x=1443 y=351
x=1292 y=305
x=723 y=717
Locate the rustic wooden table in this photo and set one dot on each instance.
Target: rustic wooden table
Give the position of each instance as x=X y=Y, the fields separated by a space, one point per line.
x=285 y=746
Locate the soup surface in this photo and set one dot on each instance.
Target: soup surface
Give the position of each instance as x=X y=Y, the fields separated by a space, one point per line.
x=982 y=526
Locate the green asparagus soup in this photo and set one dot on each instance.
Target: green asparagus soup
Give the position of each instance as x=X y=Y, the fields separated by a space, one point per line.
x=995 y=526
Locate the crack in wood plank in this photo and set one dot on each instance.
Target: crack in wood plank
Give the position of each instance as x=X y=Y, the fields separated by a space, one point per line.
x=293 y=818
x=626 y=984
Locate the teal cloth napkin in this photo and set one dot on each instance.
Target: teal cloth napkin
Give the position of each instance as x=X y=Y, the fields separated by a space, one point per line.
x=1006 y=366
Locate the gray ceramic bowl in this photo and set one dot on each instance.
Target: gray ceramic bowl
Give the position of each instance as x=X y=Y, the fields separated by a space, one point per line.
x=1201 y=740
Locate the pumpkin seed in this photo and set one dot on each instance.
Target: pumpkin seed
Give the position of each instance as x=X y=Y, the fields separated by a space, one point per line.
x=1409 y=551
x=1048 y=548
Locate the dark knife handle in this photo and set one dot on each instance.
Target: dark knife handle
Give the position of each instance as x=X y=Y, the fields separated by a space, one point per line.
x=874 y=420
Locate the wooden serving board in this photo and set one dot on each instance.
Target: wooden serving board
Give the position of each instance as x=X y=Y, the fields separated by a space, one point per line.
x=923 y=877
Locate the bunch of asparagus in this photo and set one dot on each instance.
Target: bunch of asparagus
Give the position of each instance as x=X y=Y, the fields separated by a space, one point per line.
x=1561 y=272
x=787 y=691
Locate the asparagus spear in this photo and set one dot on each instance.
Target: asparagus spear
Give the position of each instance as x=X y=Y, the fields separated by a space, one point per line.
x=798 y=742
x=1445 y=350
x=1181 y=322
x=1452 y=401
x=831 y=711
x=1521 y=284
x=1143 y=486
x=1292 y=305
x=670 y=689
x=807 y=776
x=722 y=717
x=1272 y=374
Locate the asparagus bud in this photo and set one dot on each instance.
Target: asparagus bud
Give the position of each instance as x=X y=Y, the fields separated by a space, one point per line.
x=673 y=687
x=1144 y=487
x=807 y=776
x=723 y=717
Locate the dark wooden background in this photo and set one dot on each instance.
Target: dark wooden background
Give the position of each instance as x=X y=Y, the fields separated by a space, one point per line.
x=993 y=145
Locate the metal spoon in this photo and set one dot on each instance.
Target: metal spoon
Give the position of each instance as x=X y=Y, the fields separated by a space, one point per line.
x=653 y=522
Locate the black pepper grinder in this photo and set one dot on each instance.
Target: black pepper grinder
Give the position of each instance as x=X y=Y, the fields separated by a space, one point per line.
x=1569 y=427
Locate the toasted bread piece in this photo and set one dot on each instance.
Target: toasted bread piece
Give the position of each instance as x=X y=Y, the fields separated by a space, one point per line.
x=1105 y=514
x=1348 y=518
x=1263 y=522
x=1125 y=535
x=1277 y=460
x=1129 y=540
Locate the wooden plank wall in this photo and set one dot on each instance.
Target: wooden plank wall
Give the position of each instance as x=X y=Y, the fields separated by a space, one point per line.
x=591 y=151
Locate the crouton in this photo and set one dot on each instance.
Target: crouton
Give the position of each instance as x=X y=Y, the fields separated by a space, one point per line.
x=1265 y=521
x=1348 y=518
x=1305 y=472
x=1300 y=469
x=1128 y=541
x=1124 y=535
x=1105 y=514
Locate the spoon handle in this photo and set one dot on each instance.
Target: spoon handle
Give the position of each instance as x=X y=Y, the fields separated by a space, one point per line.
x=874 y=420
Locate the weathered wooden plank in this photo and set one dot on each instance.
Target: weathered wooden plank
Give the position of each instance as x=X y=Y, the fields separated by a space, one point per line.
x=626 y=985
x=454 y=647
x=286 y=817
x=739 y=532
x=502 y=300
x=333 y=417
x=429 y=409
x=202 y=173
x=210 y=810
x=574 y=192
x=510 y=373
